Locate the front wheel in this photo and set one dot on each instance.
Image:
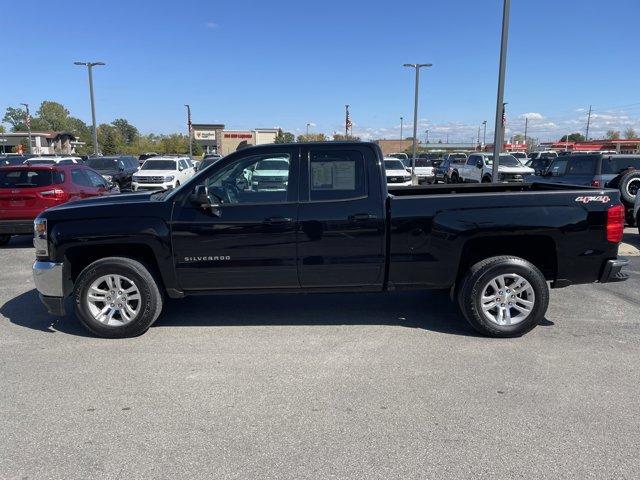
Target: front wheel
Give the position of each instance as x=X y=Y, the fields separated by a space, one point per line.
x=454 y=177
x=486 y=179
x=504 y=296
x=117 y=297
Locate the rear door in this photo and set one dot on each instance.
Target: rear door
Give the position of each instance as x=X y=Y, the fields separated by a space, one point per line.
x=341 y=218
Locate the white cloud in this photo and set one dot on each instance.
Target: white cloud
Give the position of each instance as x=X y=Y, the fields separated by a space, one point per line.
x=211 y=25
x=532 y=116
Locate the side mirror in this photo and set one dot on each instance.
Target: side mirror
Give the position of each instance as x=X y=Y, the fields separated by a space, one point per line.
x=121 y=168
x=202 y=199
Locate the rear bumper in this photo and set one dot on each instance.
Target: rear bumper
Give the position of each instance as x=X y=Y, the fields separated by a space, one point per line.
x=612 y=271
x=16 y=227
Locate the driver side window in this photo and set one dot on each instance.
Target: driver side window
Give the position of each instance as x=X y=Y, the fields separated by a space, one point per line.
x=254 y=179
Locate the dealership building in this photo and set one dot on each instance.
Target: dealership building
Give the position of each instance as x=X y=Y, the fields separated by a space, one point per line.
x=213 y=138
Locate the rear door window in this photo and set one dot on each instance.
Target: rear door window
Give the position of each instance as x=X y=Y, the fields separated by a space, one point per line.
x=337 y=175
x=582 y=165
x=79 y=178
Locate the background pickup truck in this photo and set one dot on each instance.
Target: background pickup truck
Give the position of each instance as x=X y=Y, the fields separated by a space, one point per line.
x=332 y=226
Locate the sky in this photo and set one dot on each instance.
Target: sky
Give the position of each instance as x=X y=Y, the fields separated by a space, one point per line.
x=256 y=64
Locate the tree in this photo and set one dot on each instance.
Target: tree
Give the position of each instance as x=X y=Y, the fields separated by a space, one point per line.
x=128 y=132
x=15 y=117
x=630 y=133
x=284 y=137
x=612 y=135
x=573 y=137
x=312 y=137
x=51 y=116
x=109 y=139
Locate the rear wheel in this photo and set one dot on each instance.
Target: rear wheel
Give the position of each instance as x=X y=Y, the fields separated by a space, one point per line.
x=504 y=296
x=4 y=240
x=455 y=178
x=117 y=297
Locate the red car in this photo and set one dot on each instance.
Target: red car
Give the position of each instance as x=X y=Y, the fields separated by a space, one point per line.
x=27 y=190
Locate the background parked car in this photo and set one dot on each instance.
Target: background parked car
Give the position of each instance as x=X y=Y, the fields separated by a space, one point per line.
x=209 y=159
x=27 y=190
x=614 y=171
x=521 y=156
x=479 y=168
x=142 y=158
x=453 y=162
x=49 y=160
x=117 y=170
x=161 y=173
x=397 y=174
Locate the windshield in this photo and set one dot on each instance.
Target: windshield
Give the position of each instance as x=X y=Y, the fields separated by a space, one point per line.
x=159 y=165
x=273 y=165
x=458 y=156
x=506 y=160
x=102 y=163
x=423 y=162
x=43 y=161
x=393 y=165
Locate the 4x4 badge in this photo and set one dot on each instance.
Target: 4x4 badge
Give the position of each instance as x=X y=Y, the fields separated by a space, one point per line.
x=594 y=198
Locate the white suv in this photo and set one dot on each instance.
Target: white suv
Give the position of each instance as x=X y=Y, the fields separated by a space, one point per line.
x=479 y=168
x=162 y=173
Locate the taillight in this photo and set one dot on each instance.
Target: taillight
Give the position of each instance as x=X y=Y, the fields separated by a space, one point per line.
x=596 y=183
x=615 y=223
x=55 y=194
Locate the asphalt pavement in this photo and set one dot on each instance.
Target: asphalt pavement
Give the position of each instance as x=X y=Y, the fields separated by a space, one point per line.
x=321 y=386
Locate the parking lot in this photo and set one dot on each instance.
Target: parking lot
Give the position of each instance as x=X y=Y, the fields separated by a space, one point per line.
x=326 y=386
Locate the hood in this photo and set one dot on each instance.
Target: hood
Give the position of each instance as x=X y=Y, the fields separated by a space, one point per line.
x=397 y=173
x=522 y=169
x=154 y=173
x=271 y=173
x=120 y=200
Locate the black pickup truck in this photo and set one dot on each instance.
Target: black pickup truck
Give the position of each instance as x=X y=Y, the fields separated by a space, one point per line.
x=321 y=220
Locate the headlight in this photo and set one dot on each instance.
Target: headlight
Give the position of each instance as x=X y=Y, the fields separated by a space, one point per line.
x=40 y=237
x=169 y=178
x=108 y=178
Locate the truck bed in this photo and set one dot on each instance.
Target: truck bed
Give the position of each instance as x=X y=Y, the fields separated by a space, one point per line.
x=440 y=189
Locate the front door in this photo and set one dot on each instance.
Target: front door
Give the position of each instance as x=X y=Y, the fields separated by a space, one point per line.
x=341 y=218
x=249 y=241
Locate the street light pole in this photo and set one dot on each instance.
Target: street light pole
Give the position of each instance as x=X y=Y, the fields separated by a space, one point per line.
x=426 y=136
x=28 y=123
x=189 y=128
x=417 y=67
x=90 y=66
x=401 y=125
x=484 y=135
x=308 y=125
x=499 y=130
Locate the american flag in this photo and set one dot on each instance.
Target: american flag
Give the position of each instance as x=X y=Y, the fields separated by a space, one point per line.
x=27 y=121
x=347 y=122
x=504 y=116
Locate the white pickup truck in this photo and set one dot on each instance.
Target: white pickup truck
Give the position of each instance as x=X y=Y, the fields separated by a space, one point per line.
x=479 y=169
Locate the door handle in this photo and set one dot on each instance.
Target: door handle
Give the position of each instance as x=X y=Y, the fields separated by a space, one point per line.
x=360 y=217
x=277 y=220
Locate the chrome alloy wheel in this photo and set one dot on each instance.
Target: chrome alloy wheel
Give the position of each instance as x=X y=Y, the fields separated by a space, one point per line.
x=113 y=300
x=507 y=299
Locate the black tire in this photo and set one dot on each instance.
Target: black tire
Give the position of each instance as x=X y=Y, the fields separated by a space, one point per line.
x=486 y=179
x=470 y=295
x=4 y=240
x=150 y=297
x=455 y=178
x=629 y=184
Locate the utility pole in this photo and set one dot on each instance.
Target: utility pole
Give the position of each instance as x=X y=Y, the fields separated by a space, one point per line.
x=90 y=66
x=27 y=122
x=526 y=126
x=189 y=129
x=417 y=67
x=426 y=136
x=588 y=123
x=499 y=130
x=401 y=125
x=308 y=125
x=478 y=143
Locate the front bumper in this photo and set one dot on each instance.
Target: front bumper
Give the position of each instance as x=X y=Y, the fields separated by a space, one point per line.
x=49 y=281
x=612 y=271
x=135 y=186
x=398 y=184
x=16 y=227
